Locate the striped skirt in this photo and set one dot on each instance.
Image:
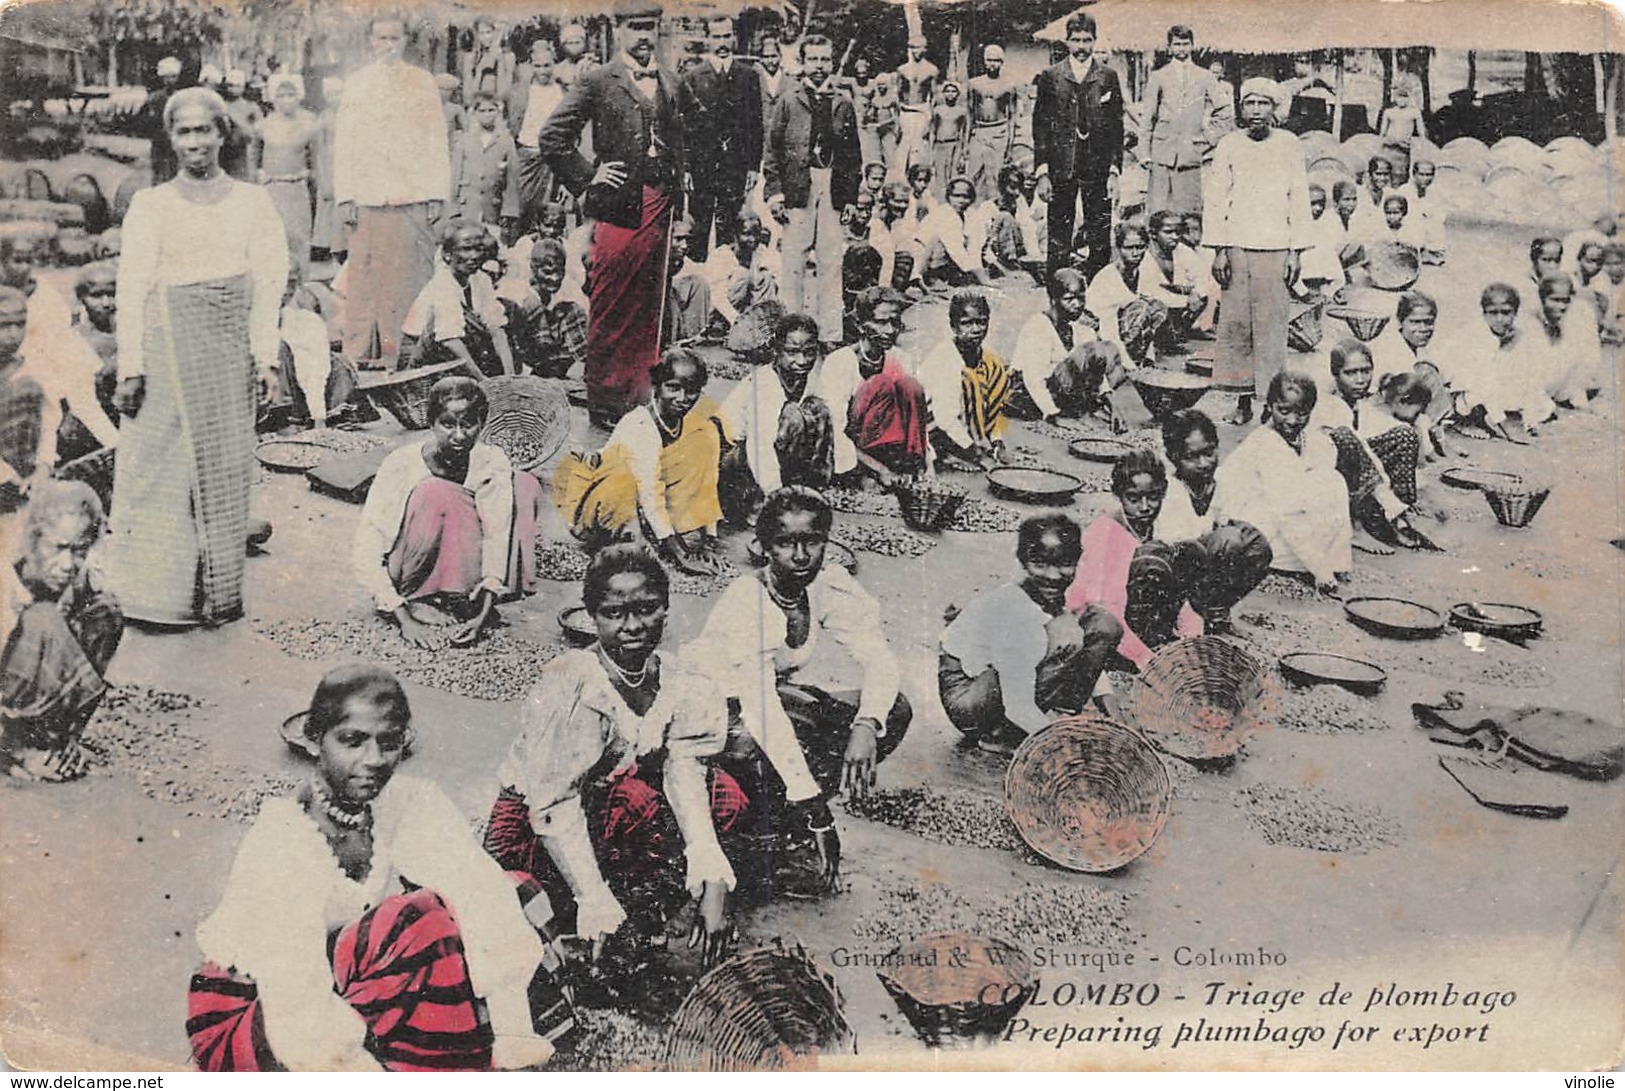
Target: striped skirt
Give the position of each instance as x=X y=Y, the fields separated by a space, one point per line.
x=400 y=966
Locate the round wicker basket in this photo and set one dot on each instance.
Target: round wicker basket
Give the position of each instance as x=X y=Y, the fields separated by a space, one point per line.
x=1199 y=698
x=1303 y=332
x=1087 y=793
x=529 y=419
x=404 y=395
x=770 y=1008
x=955 y=988
x=928 y=505
x=1515 y=507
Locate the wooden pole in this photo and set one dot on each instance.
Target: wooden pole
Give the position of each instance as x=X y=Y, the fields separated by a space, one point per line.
x=1425 y=67
x=1337 y=101
x=1600 y=81
x=1472 y=70
x=1610 y=120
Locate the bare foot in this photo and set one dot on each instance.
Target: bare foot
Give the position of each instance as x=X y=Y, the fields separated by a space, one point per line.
x=1365 y=543
x=425 y=614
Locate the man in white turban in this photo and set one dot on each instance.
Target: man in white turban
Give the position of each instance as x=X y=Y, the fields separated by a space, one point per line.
x=1257 y=222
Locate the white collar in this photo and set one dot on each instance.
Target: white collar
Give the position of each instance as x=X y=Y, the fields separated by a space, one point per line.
x=1080 y=69
x=633 y=66
x=721 y=66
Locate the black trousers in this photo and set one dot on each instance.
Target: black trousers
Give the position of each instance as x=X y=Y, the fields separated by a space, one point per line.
x=1097 y=222
x=718 y=201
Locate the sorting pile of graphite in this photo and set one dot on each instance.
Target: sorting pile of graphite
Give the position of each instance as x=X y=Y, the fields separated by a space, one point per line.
x=884 y=539
x=560 y=561
x=1313 y=818
x=1289 y=587
x=863 y=502
x=1326 y=710
x=500 y=667
x=611 y=1041
x=145 y=735
x=1076 y=913
x=948 y=816
x=986 y=516
x=688 y=583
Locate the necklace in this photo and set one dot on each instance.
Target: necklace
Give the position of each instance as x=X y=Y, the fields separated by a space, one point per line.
x=670 y=433
x=796 y=603
x=629 y=680
x=337 y=813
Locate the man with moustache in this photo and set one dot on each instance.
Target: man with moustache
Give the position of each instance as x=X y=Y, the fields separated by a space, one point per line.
x=1078 y=146
x=717 y=100
x=633 y=193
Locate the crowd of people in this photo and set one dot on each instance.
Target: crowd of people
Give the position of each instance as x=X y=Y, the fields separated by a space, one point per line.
x=796 y=212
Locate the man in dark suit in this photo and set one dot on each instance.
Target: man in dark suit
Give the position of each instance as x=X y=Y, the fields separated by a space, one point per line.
x=811 y=171
x=718 y=99
x=1078 y=145
x=633 y=192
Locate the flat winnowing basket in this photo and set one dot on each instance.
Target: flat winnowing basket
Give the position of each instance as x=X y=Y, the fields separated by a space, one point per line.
x=1394 y=265
x=955 y=988
x=927 y=504
x=1087 y=793
x=404 y=395
x=1515 y=507
x=1199 y=698
x=770 y=1008
x=529 y=418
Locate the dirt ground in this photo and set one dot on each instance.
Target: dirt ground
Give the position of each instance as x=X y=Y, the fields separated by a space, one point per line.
x=1336 y=841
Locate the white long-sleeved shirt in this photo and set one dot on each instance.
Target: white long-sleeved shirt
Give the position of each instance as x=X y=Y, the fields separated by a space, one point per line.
x=962 y=238
x=1501 y=378
x=750 y=415
x=1039 y=352
x=744 y=646
x=305 y=334
x=1178 y=520
x=540 y=101
x=1004 y=629
x=1188 y=269
x=286 y=894
x=1299 y=502
x=940 y=374
x=1256 y=193
x=1105 y=298
x=638 y=436
x=64 y=365
x=573 y=717
x=170 y=240
x=489 y=479
x=389 y=138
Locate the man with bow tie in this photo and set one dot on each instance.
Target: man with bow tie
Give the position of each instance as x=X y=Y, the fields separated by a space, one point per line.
x=718 y=101
x=811 y=171
x=1181 y=109
x=1078 y=145
x=633 y=191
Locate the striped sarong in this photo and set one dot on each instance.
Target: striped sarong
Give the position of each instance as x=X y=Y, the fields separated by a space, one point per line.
x=985 y=390
x=401 y=966
x=22 y=408
x=186 y=460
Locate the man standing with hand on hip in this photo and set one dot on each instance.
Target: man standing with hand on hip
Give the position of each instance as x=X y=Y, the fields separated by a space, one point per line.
x=811 y=173
x=1257 y=221
x=633 y=192
x=1078 y=145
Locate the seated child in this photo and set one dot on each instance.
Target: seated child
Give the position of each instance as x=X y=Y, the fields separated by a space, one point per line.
x=1406 y=347
x=1006 y=250
x=688 y=295
x=1396 y=227
x=457 y=315
x=1564 y=347
x=967 y=385
x=1321 y=271
x=1015 y=658
x=656 y=473
x=1190 y=234
x=449 y=525
x=1545 y=258
x=1129 y=317
x=1060 y=366
x=548 y=328
x=1425 y=211
x=1498 y=379
x=879 y=409
x=59 y=631
x=318 y=383
x=743 y=273
x=1283 y=479
x=1171 y=274
x=951 y=240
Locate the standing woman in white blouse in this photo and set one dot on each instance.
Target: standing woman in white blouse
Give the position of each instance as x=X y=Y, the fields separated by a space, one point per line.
x=362 y=927
x=200 y=284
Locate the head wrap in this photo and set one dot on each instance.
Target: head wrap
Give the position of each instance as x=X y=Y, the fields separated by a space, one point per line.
x=196 y=96
x=169 y=66
x=1258 y=85
x=210 y=73
x=281 y=79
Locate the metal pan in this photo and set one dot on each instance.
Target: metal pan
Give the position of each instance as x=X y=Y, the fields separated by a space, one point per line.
x=1500 y=619
x=1469 y=477
x=1034 y=486
x=1397 y=619
x=1101 y=449
x=1314 y=668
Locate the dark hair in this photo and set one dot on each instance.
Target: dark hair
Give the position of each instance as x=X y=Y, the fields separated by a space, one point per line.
x=1182 y=32
x=364 y=682
x=1346 y=348
x=548 y=248
x=1161 y=218
x=1541 y=243
x=667 y=366
x=860 y=267
x=618 y=559
x=1064 y=278
x=1590 y=244
x=1010 y=175
x=1413 y=301
x=1136 y=462
x=1282 y=381
x=1177 y=429
x=1081 y=21
x=481 y=96
x=1379 y=161
x=813 y=39
x=1125 y=228
x=789 y=324
x=1404 y=388
x=966 y=299
x=1551 y=282
x=1035 y=528
x=1396 y=198
x=1342 y=186
x=919 y=168
x=870 y=300
x=960 y=180
x=1499 y=290
x=457 y=388
x=788 y=499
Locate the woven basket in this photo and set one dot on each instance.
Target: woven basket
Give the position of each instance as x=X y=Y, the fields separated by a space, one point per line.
x=1087 y=794
x=404 y=395
x=95 y=470
x=956 y=988
x=1394 y=266
x=770 y=1008
x=1165 y=392
x=1199 y=699
x=1515 y=507
x=529 y=420
x=1365 y=325
x=1303 y=332
x=928 y=505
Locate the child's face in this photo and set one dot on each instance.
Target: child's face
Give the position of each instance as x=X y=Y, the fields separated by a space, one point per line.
x=1289 y=414
x=1589 y=260
x=552 y=225
x=678 y=394
x=286 y=99
x=1317 y=202
x=1500 y=316
x=873 y=178
x=1050 y=567
x=1198 y=461
x=950 y=94
x=1191 y=228
x=1394 y=213
x=100 y=300
x=1613 y=263
x=1382 y=176
x=970 y=328
x=749 y=236
x=1167 y=236
x=1406 y=411
x=547 y=275
x=863 y=210
x=1070 y=300
x=918 y=181
x=22 y=257
x=960 y=196
x=1347 y=201
x=487 y=114
x=465 y=253
x=1549 y=259
x=1142 y=501
x=1423 y=174
x=13 y=324
x=1417 y=328
x=1132 y=248
x=1354 y=380
x=1556 y=305
x=882 y=327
